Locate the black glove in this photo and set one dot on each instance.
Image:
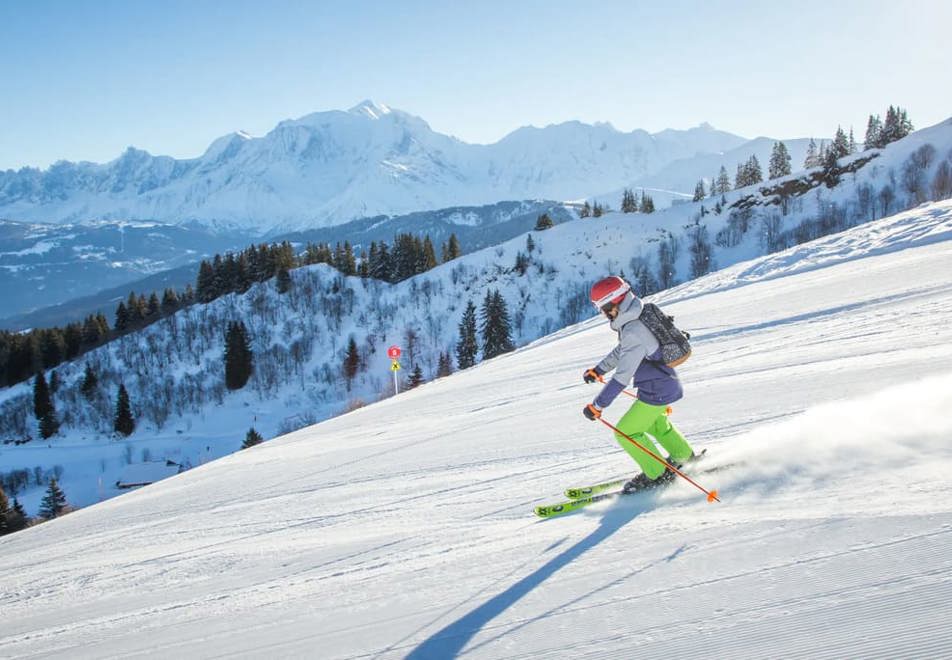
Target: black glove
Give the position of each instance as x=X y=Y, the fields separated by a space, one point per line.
x=592 y=412
x=590 y=376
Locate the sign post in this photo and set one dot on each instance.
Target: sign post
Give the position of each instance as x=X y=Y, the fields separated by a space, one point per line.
x=394 y=353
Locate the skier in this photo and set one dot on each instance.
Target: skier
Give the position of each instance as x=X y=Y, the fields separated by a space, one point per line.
x=637 y=357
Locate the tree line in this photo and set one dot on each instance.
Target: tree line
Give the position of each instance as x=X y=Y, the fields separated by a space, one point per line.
x=878 y=134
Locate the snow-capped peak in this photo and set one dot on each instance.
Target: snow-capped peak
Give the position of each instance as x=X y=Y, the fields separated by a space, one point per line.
x=370 y=109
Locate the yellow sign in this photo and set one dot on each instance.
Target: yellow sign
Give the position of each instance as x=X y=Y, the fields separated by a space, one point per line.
x=395 y=366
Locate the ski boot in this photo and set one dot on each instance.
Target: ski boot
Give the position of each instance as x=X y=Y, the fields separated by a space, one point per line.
x=642 y=482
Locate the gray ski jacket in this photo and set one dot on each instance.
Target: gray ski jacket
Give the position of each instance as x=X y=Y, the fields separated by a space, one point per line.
x=637 y=359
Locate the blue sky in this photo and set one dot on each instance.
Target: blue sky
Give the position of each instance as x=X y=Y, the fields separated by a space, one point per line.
x=84 y=79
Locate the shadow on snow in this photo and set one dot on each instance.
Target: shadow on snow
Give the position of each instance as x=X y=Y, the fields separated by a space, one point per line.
x=450 y=640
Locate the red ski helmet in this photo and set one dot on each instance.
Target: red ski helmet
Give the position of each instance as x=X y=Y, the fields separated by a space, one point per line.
x=609 y=290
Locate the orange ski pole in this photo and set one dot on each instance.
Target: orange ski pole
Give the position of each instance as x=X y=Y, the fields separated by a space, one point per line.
x=711 y=494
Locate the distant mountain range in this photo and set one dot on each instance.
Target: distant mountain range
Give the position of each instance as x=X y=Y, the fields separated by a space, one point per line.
x=328 y=168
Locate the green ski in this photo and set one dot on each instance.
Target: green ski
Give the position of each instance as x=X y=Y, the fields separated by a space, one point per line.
x=580 y=492
x=553 y=510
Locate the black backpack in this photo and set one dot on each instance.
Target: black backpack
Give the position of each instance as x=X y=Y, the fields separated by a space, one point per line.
x=675 y=344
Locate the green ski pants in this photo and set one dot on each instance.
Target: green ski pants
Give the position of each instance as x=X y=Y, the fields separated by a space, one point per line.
x=641 y=419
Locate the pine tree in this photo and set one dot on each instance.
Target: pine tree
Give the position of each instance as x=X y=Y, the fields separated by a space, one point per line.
x=54 y=502
x=753 y=171
x=628 y=203
x=890 y=130
x=351 y=362
x=16 y=517
x=723 y=181
x=349 y=261
x=779 y=161
x=252 y=438
x=429 y=254
x=699 y=191
x=445 y=366
x=122 y=318
x=585 y=211
x=43 y=408
x=52 y=347
x=852 y=142
x=467 y=346
x=597 y=210
x=905 y=125
x=244 y=277
x=90 y=383
x=496 y=327
x=874 y=129
x=522 y=263
x=838 y=149
x=530 y=244
x=123 y=422
x=416 y=377
x=380 y=261
x=452 y=248
x=92 y=332
x=812 y=158
x=42 y=402
x=239 y=360
x=73 y=336
x=135 y=307
x=170 y=302
x=153 y=307
x=647 y=203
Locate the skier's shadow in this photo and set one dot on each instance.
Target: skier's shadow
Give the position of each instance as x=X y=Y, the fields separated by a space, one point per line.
x=450 y=640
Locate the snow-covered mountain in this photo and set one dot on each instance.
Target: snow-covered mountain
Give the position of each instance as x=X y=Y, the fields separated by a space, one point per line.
x=330 y=167
x=404 y=529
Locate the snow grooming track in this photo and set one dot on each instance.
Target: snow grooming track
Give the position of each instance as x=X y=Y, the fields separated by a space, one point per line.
x=405 y=528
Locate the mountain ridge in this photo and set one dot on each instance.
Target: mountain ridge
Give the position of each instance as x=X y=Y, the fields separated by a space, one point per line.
x=328 y=167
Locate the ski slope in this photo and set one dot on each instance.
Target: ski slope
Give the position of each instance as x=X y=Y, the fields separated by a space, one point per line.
x=405 y=529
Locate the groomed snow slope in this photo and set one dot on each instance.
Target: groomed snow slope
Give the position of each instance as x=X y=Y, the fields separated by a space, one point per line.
x=404 y=529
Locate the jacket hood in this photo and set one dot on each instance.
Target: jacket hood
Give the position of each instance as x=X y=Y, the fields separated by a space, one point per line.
x=629 y=310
